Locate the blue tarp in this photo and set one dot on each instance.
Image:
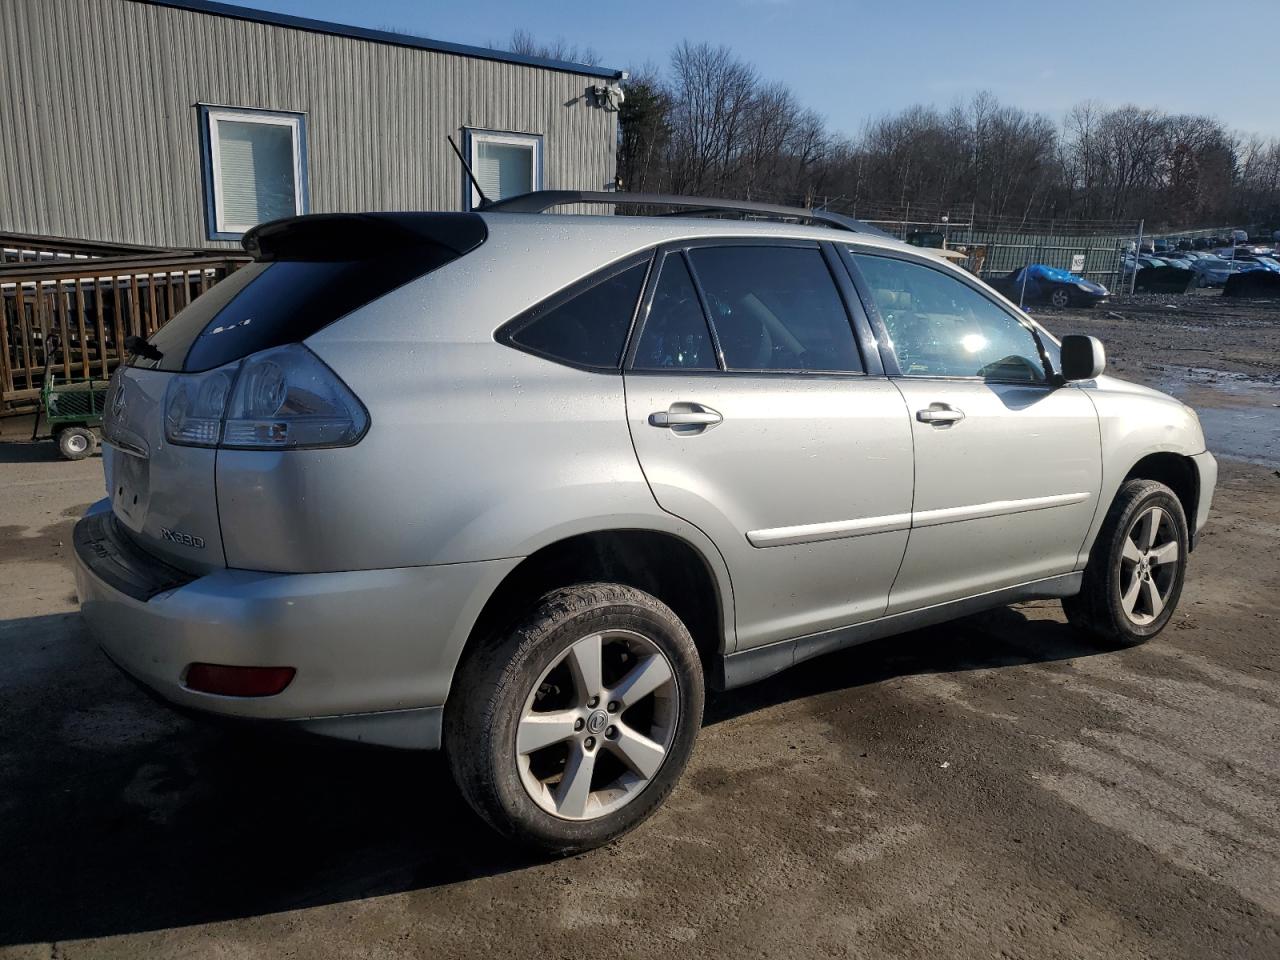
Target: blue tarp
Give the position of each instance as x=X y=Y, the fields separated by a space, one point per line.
x=1038 y=271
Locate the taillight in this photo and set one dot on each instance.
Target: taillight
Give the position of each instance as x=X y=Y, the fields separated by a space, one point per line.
x=194 y=404
x=274 y=400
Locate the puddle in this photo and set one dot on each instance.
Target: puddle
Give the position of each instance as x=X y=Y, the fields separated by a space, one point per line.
x=1243 y=433
x=1239 y=412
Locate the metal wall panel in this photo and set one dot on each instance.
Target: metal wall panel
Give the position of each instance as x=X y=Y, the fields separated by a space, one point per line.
x=99 y=134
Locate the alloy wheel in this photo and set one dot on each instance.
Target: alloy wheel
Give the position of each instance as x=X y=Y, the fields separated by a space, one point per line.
x=1148 y=565
x=598 y=725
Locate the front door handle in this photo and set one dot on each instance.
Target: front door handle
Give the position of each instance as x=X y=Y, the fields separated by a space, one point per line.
x=939 y=414
x=686 y=418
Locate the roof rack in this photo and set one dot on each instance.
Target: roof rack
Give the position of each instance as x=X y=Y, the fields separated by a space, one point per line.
x=539 y=201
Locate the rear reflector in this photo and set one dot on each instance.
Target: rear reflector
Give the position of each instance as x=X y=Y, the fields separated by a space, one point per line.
x=238 y=681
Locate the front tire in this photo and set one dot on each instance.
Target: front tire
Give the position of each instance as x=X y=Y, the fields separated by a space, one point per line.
x=1134 y=577
x=573 y=728
x=1060 y=298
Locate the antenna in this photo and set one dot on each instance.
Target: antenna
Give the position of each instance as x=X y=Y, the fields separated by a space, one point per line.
x=484 y=201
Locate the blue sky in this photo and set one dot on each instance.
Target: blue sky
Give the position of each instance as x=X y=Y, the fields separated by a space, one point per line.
x=857 y=59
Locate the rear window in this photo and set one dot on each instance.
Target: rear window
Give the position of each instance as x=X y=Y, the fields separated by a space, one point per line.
x=310 y=272
x=585 y=325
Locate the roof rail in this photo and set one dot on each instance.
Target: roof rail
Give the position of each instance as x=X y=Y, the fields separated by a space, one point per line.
x=540 y=201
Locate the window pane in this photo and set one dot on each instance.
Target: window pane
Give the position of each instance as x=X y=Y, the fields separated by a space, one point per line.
x=590 y=329
x=941 y=327
x=675 y=334
x=256 y=169
x=776 y=308
x=503 y=169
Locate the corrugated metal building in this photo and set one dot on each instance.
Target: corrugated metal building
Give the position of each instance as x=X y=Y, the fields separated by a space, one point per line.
x=181 y=122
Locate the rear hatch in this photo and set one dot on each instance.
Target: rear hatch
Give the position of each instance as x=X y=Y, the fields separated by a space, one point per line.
x=307 y=272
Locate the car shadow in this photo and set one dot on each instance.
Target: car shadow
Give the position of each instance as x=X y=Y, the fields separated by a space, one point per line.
x=117 y=816
x=32 y=451
x=1004 y=637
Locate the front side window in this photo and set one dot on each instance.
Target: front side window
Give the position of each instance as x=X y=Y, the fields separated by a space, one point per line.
x=776 y=308
x=585 y=326
x=255 y=168
x=505 y=164
x=942 y=327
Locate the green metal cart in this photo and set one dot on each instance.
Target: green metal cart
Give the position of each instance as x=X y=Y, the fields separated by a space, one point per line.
x=71 y=410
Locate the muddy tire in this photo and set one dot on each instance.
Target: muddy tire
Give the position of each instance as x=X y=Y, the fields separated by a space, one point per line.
x=573 y=728
x=1136 y=569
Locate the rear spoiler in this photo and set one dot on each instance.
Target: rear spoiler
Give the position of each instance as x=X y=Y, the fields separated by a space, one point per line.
x=362 y=236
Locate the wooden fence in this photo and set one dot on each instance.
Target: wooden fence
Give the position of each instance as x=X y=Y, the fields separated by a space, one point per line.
x=87 y=304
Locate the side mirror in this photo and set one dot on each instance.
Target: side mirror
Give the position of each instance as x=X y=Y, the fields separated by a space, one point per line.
x=1082 y=358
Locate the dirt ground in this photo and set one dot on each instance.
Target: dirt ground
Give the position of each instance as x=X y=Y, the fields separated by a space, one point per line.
x=992 y=787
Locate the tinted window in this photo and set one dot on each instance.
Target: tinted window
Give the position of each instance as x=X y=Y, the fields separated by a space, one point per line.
x=776 y=308
x=264 y=305
x=675 y=333
x=587 y=326
x=941 y=327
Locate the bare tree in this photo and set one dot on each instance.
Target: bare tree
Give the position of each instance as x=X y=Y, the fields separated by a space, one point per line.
x=711 y=125
x=524 y=43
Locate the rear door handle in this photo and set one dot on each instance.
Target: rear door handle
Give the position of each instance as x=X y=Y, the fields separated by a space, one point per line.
x=939 y=414
x=686 y=418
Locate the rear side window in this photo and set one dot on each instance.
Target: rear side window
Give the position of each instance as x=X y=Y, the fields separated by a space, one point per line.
x=586 y=325
x=776 y=308
x=675 y=335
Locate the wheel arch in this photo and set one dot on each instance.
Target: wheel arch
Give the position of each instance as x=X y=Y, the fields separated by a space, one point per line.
x=660 y=562
x=1177 y=472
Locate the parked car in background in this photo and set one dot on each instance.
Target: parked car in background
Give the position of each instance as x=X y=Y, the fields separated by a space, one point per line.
x=1252 y=261
x=1239 y=236
x=1144 y=262
x=524 y=486
x=1200 y=243
x=1045 y=284
x=1158 y=275
x=1211 y=271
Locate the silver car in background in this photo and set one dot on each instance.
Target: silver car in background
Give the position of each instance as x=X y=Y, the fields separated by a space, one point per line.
x=525 y=485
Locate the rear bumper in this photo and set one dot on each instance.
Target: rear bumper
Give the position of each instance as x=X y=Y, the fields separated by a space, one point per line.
x=374 y=650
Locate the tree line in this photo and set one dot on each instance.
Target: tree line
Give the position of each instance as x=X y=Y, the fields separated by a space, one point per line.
x=709 y=124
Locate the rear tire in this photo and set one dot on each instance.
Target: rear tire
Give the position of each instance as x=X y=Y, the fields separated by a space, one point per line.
x=76 y=443
x=1136 y=568
x=573 y=728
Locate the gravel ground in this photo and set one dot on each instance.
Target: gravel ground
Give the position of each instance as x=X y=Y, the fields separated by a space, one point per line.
x=993 y=787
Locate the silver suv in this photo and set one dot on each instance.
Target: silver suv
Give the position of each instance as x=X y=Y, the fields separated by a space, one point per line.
x=523 y=485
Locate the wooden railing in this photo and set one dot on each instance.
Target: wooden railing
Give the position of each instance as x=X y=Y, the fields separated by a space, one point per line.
x=87 y=307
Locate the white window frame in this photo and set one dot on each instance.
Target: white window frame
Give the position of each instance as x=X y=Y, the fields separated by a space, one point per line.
x=220 y=226
x=471 y=196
